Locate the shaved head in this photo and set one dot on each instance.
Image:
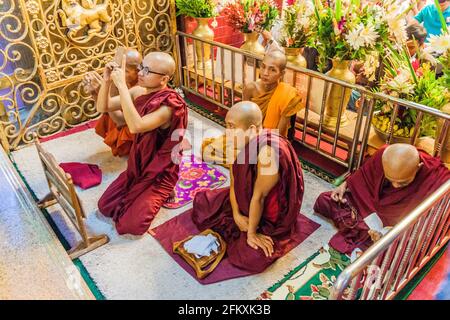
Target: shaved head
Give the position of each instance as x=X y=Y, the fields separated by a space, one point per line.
x=400 y=164
x=245 y=114
x=276 y=57
x=161 y=62
x=133 y=57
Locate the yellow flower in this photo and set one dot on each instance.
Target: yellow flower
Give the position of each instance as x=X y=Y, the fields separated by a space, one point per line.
x=203 y=183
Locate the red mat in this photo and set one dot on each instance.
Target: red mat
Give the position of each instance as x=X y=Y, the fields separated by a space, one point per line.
x=182 y=226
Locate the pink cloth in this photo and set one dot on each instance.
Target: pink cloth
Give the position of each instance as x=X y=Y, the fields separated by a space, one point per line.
x=84 y=175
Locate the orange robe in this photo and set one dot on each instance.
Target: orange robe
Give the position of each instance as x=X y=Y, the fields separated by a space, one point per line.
x=118 y=138
x=283 y=100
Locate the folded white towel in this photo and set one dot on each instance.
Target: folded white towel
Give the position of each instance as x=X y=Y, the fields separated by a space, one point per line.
x=202 y=246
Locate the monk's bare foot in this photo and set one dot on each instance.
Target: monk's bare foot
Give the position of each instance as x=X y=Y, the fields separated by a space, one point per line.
x=172 y=196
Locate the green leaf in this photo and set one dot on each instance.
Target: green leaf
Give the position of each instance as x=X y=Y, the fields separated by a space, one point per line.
x=441 y=16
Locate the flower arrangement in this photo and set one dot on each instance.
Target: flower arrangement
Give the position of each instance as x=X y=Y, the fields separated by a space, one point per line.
x=357 y=32
x=417 y=83
x=196 y=8
x=250 y=15
x=297 y=24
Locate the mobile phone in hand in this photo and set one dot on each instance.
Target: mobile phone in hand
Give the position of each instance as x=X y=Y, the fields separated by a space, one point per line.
x=118 y=57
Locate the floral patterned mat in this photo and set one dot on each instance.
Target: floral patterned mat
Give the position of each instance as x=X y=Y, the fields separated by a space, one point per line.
x=194 y=176
x=312 y=279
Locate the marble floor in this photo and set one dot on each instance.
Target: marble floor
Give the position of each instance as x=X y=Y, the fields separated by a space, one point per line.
x=33 y=263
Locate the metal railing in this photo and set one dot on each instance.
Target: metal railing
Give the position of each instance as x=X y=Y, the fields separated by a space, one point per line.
x=389 y=264
x=221 y=79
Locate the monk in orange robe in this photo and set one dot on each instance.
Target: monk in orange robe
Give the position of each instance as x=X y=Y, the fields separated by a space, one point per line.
x=277 y=100
x=157 y=117
x=110 y=126
x=258 y=214
x=390 y=184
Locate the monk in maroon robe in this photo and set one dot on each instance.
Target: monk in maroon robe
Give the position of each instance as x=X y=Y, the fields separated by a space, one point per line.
x=257 y=215
x=394 y=181
x=157 y=116
x=111 y=126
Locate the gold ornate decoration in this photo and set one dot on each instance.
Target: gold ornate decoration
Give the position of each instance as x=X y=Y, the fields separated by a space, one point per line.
x=87 y=15
x=47 y=46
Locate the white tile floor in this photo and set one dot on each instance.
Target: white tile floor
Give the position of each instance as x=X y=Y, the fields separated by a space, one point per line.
x=138 y=268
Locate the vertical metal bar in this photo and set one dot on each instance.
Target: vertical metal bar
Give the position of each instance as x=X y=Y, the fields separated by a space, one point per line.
x=366 y=133
x=213 y=75
x=446 y=222
x=392 y=123
x=180 y=67
x=233 y=83
x=416 y=128
x=354 y=287
x=222 y=73
x=442 y=213
x=338 y=124
x=244 y=73
x=305 y=120
x=186 y=57
x=357 y=133
x=366 y=290
x=322 y=110
x=205 y=84
x=392 y=273
x=416 y=248
x=194 y=43
x=294 y=78
x=423 y=229
x=384 y=266
x=429 y=235
x=254 y=69
x=441 y=139
x=406 y=256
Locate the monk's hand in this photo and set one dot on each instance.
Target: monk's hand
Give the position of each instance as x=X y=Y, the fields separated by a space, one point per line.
x=338 y=193
x=110 y=66
x=257 y=240
x=118 y=74
x=241 y=221
x=93 y=81
x=374 y=235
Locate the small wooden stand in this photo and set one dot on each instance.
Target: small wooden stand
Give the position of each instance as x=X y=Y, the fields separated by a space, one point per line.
x=205 y=265
x=62 y=191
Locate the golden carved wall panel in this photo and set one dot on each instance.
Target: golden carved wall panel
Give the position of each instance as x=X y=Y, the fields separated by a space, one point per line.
x=46 y=46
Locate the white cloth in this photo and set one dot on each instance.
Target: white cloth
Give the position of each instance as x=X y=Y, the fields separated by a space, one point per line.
x=374 y=222
x=202 y=246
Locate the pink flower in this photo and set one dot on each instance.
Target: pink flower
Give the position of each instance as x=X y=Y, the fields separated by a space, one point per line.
x=341 y=24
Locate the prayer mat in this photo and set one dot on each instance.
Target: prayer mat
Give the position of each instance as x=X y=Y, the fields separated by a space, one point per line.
x=194 y=176
x=180 y=227
x=312 y=279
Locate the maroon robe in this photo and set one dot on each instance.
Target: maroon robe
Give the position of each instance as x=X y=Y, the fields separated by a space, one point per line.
x=370 y=192
x=212 y=208
x=136 y=196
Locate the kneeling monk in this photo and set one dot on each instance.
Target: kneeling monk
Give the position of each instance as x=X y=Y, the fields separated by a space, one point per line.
x=153 y=113
x=394 y=181
x=257 y=215
x=277 y=100
x=111 y=126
